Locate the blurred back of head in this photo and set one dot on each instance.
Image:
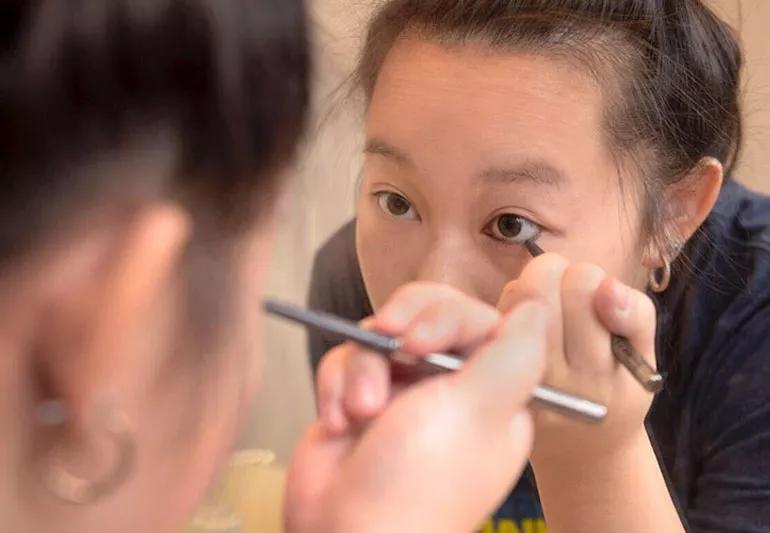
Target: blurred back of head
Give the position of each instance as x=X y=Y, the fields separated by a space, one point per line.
x=108 y=110
x=222 y=83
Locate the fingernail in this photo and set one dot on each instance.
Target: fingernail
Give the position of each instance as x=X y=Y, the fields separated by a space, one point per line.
x=621 y=295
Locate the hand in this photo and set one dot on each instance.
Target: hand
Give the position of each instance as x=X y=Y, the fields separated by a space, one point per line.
x=441 y=454
x=586 y=307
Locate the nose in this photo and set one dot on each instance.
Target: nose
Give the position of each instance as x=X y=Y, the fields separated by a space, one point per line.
x=456 y=263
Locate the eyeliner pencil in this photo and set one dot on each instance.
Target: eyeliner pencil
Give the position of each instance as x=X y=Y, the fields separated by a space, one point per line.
x=622 y=349
x=390 y=347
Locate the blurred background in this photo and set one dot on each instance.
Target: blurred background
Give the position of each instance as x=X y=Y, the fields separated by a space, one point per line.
x=323 y=198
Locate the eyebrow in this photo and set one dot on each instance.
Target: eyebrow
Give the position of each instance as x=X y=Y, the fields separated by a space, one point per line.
x=379 y=147
x=537 y=171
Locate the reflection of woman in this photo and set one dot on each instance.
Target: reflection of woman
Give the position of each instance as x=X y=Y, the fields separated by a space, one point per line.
x=606 y=131
x=141 y=149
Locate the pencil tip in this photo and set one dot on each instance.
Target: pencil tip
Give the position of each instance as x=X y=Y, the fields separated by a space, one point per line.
x=533 y=248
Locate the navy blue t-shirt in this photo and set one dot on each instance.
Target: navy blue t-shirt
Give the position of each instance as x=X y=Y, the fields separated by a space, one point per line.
x=711 y=424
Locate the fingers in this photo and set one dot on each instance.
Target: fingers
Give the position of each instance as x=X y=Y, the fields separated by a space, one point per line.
x=498 y=381
x=578 y=337
x=587 y=349
x=430 y=318
x=540 y=280
x=628 y=313
x=407 y=302
x=479 y=412
x=330 y=387
x=353 y=385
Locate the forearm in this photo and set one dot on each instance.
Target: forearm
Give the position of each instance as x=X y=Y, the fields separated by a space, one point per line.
x=623 y=492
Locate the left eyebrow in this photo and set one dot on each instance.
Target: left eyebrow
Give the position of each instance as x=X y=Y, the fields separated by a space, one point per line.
x=377 y=146
x=536 y=171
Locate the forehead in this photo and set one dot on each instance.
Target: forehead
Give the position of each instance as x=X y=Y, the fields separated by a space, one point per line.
x=469 y=96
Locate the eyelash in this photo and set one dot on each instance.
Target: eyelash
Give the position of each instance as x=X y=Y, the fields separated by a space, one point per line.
x=492 y=229
x=382 y=199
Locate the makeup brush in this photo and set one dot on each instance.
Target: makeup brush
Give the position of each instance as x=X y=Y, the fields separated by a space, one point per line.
x=390 y=347
x=622 y=349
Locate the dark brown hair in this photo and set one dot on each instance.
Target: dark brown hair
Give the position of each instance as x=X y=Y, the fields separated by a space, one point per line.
x=81 y=81
x=672 y=90
x=84 y=84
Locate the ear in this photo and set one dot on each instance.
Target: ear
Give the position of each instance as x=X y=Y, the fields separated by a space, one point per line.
x=689 y=201
x=90 y=322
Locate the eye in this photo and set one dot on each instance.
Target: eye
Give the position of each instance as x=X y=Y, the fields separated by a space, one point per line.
x=512 y=229
x=396 y=205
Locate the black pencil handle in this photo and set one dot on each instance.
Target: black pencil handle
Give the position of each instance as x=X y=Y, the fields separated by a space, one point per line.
x=636 y=364
x=334 y=325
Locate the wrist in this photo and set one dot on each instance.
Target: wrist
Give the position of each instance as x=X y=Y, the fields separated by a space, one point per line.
x=608 y=492
x=597 y=462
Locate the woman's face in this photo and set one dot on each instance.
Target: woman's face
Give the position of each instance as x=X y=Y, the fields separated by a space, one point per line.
x=471 y=152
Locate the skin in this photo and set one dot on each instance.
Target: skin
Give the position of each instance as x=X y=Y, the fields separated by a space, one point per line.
x=480 y=124
x=55 y=324
x=386 y=469
x=457 y=136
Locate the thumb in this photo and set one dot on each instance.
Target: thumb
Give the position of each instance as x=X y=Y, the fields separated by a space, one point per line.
x=498 y=380
x=628 y=313
x=315 y=464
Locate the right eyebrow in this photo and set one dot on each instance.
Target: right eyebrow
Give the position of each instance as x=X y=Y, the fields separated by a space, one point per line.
x=376 y=146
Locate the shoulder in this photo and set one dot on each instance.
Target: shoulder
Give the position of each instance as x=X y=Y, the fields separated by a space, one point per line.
x=339 y=250
x=742 y=213
x=721 y=294
x=336 y=284
x=336 y=262
x=722 y=310
x=732 y=261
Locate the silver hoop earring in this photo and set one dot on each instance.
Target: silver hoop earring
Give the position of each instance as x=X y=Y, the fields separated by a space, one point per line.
x=57 y=478
x=660 y=277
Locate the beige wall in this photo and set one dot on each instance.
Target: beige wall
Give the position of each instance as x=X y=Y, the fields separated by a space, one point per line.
x=323 y=196
x=751 y=19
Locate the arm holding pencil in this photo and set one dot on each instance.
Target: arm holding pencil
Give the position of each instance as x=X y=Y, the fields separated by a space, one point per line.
x=456 y=441
x=613 y=463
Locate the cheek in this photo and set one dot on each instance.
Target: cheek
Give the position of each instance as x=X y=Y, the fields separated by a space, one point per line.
x=387 y=259
x=615 y=249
